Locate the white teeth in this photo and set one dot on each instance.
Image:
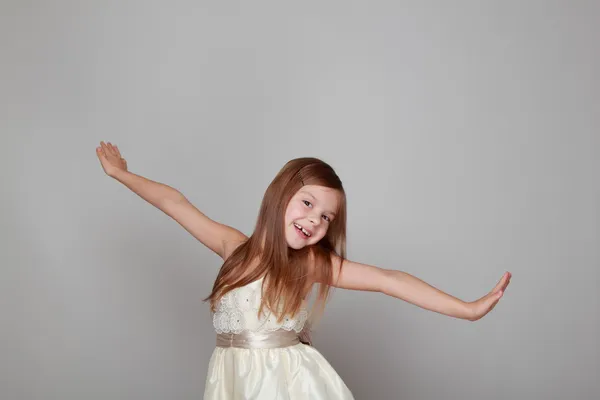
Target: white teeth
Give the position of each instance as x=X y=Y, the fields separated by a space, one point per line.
x=302 y=229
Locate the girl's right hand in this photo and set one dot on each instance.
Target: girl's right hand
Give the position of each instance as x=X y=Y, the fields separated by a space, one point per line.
x=110 y=158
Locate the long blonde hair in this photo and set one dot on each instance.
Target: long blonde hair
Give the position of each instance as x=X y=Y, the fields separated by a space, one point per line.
x=289 y=273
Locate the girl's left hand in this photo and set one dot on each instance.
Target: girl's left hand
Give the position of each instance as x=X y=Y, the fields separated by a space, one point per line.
x=479 y=308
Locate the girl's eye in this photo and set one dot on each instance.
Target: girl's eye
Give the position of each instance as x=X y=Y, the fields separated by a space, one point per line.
x=306 y=203
x=326 y=218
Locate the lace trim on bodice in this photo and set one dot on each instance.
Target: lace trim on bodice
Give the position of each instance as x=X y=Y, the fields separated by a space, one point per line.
x=237 y=311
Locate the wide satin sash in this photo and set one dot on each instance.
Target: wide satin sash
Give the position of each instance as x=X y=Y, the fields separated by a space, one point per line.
x=258 y=340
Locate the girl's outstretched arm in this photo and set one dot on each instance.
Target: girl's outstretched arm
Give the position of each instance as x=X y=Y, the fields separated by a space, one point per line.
x=406 y=287
x=220 y=238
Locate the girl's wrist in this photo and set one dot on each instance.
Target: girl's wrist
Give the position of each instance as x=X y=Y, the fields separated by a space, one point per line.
x=117 y=173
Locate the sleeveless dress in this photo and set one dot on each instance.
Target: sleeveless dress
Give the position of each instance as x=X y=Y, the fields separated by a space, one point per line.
x=292 y=372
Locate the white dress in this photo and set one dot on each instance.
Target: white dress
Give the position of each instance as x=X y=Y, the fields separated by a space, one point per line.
x=295 y=372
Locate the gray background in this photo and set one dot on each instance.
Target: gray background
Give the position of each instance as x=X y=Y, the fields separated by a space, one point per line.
x=466 y=135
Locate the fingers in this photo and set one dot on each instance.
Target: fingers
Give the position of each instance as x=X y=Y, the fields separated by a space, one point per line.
x=493 y=297
x=488 y=304
x=110 y=149
x=507 y=277
x=100 y=150
x=501 y=285
x=502 y=281
x=507 y=282
x=107 y=152
x=489 y=301
x=99 y=154
x=110 y=157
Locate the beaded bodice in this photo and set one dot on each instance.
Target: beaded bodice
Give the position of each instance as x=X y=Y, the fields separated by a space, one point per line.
x=237 y=311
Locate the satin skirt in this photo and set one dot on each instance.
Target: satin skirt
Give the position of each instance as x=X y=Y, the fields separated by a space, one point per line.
x=295 y=372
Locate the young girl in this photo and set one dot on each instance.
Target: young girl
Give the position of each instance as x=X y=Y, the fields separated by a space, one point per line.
x=260 y=296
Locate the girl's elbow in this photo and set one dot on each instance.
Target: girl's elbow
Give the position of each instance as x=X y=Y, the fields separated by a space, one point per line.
x=386 y=282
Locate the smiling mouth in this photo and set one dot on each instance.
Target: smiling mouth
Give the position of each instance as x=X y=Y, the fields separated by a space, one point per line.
x=301 y=229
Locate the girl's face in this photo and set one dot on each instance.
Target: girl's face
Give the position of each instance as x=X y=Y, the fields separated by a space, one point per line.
x=309 y=214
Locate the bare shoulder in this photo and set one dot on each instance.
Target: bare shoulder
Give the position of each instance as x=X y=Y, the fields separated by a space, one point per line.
x=313 y=273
